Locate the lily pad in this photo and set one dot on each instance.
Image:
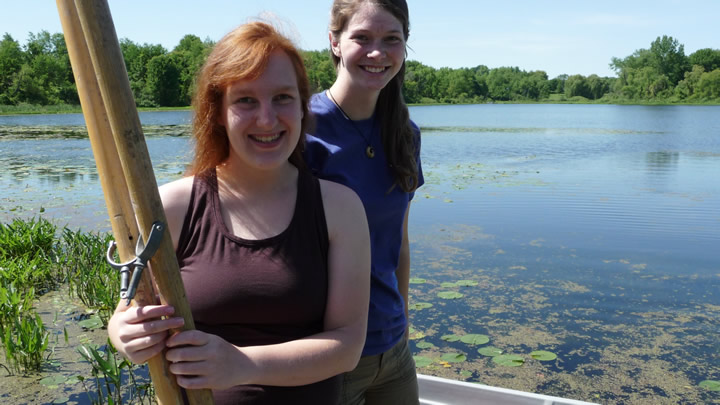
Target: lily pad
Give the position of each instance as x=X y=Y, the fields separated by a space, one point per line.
x=424 y=345
x=91 y=323
x=543 y=355
x=450 y=295
x=466 y=374
x=422 y=361
x=509 y=360
x=474 y=339
x=710 y=385
x=420 y=305
x=61 y=400
x=454 y=357
x=53 y=380
x=490 y=351
x=450 y=338
x=417 y=335
x=448 y=284
x=467 y=283
x=416 y=280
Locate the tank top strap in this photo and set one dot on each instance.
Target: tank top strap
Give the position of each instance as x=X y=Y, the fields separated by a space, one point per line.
x=309 y=217
x=199 y=208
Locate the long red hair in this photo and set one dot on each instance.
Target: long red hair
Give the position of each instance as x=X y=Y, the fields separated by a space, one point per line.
x=242 y=54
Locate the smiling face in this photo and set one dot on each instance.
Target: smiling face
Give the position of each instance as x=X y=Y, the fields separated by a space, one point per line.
x=262 y=117
x=371 y=48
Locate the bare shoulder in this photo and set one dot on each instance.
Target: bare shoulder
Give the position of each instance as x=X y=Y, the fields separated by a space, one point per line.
x=342 y=206
x=336 y=192
x=175 y=198
x=176 y=193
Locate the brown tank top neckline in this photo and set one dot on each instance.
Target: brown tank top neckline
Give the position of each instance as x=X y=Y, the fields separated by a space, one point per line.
x=217 y=212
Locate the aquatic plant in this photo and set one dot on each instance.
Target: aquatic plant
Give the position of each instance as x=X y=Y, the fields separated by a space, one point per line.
x=510 y=360
x=32 y=237
x=108 y=374
x=490 y=351
x=453 y=357
x=90 y=278
x=474 y=339
x=710 y=385
x=422 y=361
x=22 y=333
x=14 y=303
x=543 y=355
x=28 y=271
x=91 y=322
x=450 y=295
x=420 y=305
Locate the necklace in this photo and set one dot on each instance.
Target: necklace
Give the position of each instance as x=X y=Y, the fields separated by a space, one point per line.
x=369 y=151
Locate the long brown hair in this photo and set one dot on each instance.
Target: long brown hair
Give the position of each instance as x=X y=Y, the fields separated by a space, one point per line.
x=399 y=140
x=242 y=54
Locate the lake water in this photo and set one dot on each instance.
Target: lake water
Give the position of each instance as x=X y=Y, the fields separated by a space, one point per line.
x=592 y=232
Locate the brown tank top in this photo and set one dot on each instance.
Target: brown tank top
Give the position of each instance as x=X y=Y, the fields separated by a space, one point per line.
x=258 y=292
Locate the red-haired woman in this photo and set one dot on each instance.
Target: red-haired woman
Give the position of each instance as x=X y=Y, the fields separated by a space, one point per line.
x=277 y=285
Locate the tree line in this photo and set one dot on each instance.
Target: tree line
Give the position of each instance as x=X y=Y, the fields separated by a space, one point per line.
x=39 y=73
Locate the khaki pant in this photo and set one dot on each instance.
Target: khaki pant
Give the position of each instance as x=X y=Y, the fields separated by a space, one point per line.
x=384 y=379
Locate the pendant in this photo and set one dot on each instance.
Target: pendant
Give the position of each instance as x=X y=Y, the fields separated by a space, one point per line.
x=370 y=152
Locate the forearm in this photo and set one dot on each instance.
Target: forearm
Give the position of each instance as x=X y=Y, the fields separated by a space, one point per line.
x=402 y=273
x=303 y=361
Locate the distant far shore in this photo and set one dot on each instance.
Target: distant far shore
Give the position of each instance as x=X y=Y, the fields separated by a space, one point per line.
x=28 y=109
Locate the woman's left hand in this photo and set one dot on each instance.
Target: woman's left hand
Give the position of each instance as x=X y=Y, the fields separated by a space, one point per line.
x=201 y=360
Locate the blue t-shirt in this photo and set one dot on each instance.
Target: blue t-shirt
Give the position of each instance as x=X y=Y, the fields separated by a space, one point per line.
x=336 y=152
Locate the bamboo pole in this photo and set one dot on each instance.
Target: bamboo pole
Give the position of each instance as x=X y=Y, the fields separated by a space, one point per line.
x=112 y=80
x=117 y=197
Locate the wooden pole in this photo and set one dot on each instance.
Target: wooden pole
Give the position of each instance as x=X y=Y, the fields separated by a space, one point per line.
x=103 y=48
x=112 y=179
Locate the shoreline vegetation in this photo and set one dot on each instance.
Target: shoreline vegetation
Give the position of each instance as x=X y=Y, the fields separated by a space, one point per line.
x=28 y=109
x=38 y=258
x=33 y=109
x=36 y=78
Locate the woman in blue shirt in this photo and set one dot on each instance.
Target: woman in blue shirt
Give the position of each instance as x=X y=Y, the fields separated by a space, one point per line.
x=365 y=140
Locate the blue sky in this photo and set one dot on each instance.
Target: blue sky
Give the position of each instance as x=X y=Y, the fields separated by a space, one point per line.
x=557 y=36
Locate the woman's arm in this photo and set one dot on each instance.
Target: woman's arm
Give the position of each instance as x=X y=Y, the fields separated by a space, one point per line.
x=402 y=273
x=210 y=362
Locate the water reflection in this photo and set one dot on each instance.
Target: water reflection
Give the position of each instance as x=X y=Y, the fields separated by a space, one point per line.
x=661 y=161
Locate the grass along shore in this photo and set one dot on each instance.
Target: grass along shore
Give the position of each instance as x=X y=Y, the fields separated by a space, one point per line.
x=28 y=109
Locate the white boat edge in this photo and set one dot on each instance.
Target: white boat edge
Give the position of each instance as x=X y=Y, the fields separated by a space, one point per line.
x=443 y=391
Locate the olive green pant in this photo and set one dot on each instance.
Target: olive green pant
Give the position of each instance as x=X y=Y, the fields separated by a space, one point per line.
x=383 y=379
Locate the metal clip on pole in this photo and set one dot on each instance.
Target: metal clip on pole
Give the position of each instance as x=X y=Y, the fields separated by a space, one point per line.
x=128 y=286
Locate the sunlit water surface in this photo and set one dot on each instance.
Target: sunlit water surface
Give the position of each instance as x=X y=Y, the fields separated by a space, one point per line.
x=592 y=232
